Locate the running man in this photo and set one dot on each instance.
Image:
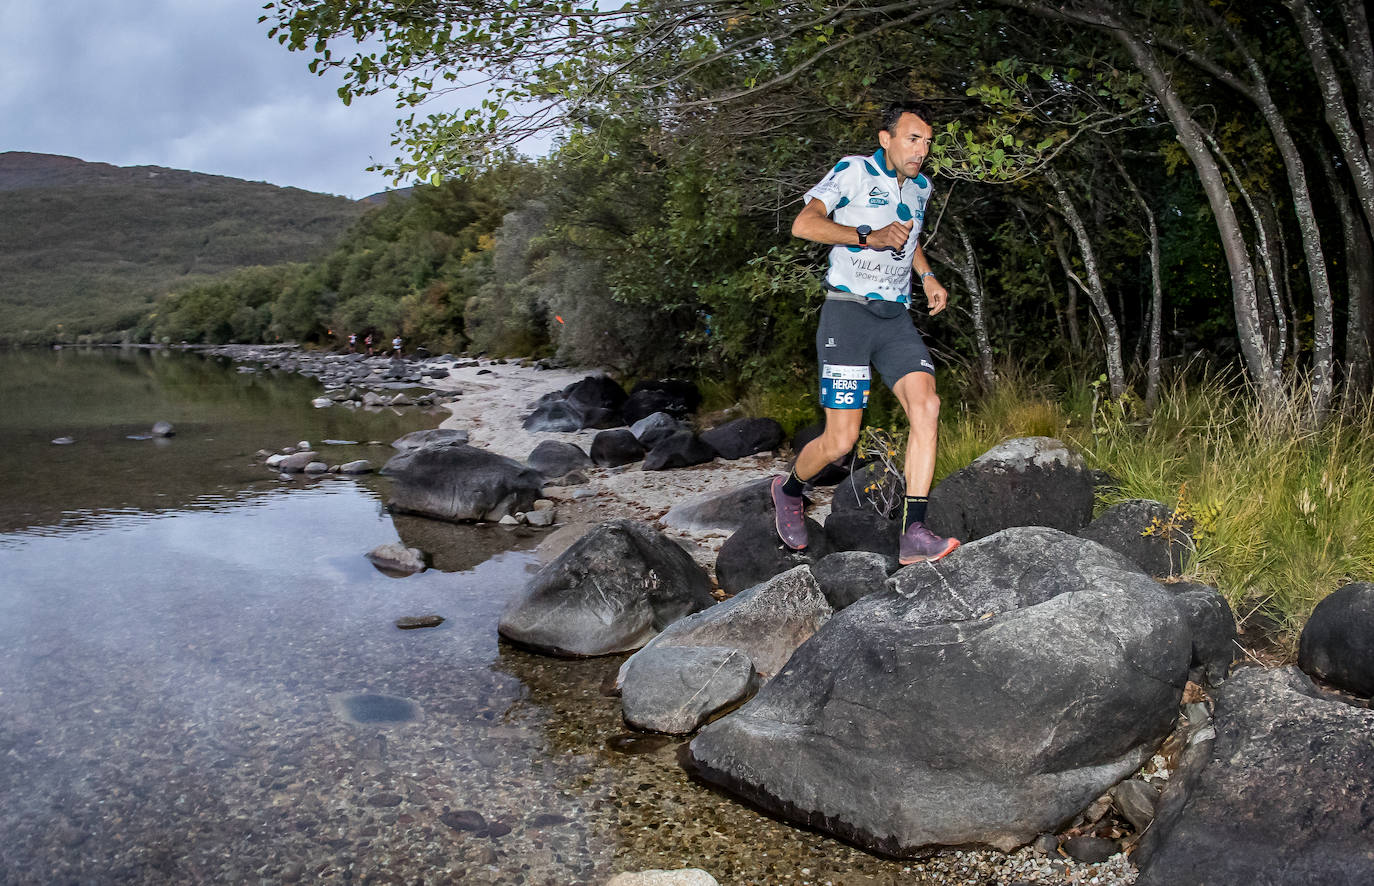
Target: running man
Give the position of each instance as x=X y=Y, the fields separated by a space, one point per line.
x=870 y=211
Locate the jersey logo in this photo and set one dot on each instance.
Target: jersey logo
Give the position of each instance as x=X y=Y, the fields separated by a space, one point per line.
x=830 y=343
x=877 y=197
x=877 y=192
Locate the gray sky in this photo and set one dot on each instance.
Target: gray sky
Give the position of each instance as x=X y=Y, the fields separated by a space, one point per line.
x=186 y=84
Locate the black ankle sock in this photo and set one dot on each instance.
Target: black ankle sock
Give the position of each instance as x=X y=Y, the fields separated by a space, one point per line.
x=914 y=510
x=793 y=485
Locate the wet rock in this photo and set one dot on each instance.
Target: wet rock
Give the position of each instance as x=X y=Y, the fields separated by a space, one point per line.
x=459 y=482
x=384 y=801
x=163 y=429
x=296 y=462
x=984 y=699
x=848 y=576
x=617 y=447
x=396 y=557
x=553 y=458
x=655 y=428
x=675 y=689
x=727 y=510
x=767 y=622
x=401 y=400
x=632 y=743
x=1091 y=849
x=1281 y=796
x=754 y=553
x=417 y=439
x=361 y=466
x=415 y=622
x=322 y=402
x=612 y=591
x=681 y=877
x=1029 y=481
x=744 y=436
x=63 y=441
x=1213 y=626
x=683 y=449
x=1147 y=533
x=316 y=467
x=1337 y=643
x=464 y=820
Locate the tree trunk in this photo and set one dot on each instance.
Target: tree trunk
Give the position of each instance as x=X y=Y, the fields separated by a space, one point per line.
x=1152 y=371
x=1359 y=57
x=968 y=270
x=1359 y=284
x=1070 y=280
x=1111 y=335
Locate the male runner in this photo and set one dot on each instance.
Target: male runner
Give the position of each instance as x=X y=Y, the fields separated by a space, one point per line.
x=870 y=211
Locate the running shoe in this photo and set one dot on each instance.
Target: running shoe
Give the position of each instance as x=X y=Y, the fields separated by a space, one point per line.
x=787 y=516
x=920 y=545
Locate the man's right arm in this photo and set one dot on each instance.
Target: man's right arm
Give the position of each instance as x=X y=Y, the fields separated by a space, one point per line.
x=814 y=223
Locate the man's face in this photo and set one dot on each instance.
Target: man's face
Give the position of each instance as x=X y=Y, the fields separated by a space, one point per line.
x=907 y=145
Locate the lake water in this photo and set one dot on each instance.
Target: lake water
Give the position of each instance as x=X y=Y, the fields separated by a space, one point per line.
x=201 y=680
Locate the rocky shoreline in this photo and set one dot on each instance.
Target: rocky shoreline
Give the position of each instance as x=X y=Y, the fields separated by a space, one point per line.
x=1034 y=693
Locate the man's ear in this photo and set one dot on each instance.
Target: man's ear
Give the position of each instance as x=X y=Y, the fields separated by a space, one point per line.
x=884 y=138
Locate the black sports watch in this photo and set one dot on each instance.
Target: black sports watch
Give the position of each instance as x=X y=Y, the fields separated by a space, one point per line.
x=863 y=231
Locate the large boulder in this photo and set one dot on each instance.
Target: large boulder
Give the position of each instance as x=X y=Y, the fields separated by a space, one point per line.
x=1029 y=481
x=727 y=510
x=1147 y=532
x=982 y=700
x=613 y=448
x=846 y=577
x=1281 y=798
x=654 y=429
x=1337 y=643
x=681 y=450
x=555 y=415
x=754 y=553
x=676 y=397
x=859 y=522
x=612 y=591
x=767 y=622
x=554 y=458
x=1212 y=624
x=675 y=689
x=744 y=436
x=459 y=482
x=595 y=392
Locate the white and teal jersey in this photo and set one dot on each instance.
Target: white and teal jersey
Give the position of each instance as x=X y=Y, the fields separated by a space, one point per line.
x=863 y=191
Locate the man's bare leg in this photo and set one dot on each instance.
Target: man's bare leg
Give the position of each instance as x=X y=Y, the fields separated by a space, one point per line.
x=839 y=436
x=916 y=392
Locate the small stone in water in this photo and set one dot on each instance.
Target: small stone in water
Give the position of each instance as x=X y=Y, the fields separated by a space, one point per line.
x=498 y=829
x=630 y=743
x=411 y=622
x=372 y=708
x=384 y=800
x=64 y=441
x=464 y=820
x=547 y=819
x=1090 y=849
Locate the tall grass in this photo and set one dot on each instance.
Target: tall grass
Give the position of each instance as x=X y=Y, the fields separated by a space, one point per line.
x=1283 y=510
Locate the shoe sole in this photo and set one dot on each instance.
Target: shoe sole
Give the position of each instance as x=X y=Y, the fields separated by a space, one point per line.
x=953 y=543
x=777 y=525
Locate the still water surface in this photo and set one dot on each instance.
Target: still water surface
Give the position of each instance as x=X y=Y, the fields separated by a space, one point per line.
x=201 y=680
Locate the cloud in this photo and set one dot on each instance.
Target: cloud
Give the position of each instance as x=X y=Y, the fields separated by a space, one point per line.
x=189 y=84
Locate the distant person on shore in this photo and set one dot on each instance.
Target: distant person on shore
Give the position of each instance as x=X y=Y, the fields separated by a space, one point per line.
x=352 y=342
x=396 y=346
x=869 y=210
x=368 y=341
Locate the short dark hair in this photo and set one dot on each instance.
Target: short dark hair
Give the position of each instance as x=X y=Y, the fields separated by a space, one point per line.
x=893 y=113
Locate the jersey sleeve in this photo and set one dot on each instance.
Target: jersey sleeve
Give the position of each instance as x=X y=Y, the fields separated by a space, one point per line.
x=835 y=189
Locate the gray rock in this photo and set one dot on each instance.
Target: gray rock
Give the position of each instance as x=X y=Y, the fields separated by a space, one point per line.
x=1046 y=844
x=1163 y=552
x=744 y=436
x=540 y=518
x=611 y=449
x=754 y=553
x=767 y=622
x=317 y=467
x=612 y=591
x=459 y=482
x=1213 y=626
x=727 y=510
x=396 y=557
x=417 y=439
x=847 y=576
x=1135 y=800
x=655 y=428
x=675 y=689
x=401 y=400
x=680 y=877
x=322 y=402
x=1090 y=849
x=858 y=523
x=553 y=458
x=163 y=429
x=1282 y=796
x=63 y=441
x=372 y=398
x=361 y=466
x=981 y=700
x=415 y=622
x=296 y=462
x=1029 y=481
x=1337 y=643
x=555 y=415
x=682 y=450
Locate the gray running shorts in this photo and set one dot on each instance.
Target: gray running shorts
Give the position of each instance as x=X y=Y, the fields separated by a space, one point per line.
x=852 y=335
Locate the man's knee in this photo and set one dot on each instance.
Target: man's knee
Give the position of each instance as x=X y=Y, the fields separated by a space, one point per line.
x=836 y=442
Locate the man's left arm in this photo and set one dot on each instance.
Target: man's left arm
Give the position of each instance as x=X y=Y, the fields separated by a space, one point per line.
x=936 y=295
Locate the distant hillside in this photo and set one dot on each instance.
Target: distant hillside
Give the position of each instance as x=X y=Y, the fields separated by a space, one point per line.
x=90 y=245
